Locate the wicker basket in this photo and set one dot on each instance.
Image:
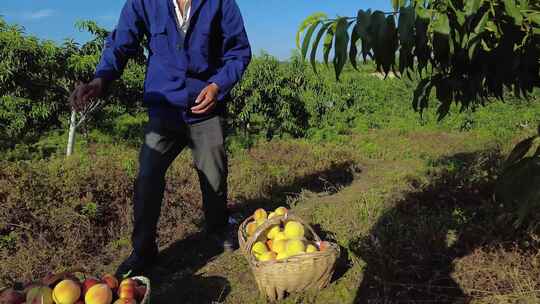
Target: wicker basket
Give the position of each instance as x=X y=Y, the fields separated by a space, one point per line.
x=146 y=282
x=275 y=279
x=242 y=237
x=143 y=280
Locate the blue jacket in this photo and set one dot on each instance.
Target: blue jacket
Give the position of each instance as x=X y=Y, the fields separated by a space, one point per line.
x=215 y=49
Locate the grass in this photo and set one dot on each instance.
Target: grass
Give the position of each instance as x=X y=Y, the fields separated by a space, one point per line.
x=408 y=200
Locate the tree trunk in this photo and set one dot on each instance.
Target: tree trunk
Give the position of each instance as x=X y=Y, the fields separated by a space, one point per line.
x=71 y=136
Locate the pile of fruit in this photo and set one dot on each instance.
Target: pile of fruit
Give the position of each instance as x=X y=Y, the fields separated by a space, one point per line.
x=68 y=289
x=282 y=241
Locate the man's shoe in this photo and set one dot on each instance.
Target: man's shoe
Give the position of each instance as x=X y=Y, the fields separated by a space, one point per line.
x=227 y=239
x=134 y=266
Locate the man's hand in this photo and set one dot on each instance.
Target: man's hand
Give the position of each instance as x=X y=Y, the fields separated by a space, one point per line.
x=206 y=101
x=84 y=93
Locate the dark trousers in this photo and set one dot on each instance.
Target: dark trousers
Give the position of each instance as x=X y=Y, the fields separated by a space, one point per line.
x=163 y=141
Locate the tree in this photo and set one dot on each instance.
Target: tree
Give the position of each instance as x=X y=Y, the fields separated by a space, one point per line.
x=37 y=78
x=467 y=50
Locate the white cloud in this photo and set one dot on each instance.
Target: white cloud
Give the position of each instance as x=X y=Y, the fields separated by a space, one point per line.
x=39 y=14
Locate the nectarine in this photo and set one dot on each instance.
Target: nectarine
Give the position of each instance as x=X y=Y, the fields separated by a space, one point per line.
x=98 y=294
x=66 y=292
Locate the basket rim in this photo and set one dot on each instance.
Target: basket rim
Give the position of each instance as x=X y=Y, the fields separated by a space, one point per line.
x=335 y=250
x=146 y=282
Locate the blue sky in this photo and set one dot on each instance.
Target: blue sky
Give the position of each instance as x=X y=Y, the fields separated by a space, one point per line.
x=271 y=24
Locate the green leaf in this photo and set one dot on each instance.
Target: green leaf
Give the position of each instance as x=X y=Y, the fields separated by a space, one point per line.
x=524 y=4
x=397 y=4
x=422 y=50
x=472 y=6
x=513 y=11
x=441 y=24
x=341 y=43
x=406 y=25
x=377 y=29
x=535 y=18
x=307 y=38
x=306 y=23
x=327 y=45
x=363 y=27
x=424 y=13
x=353 y=53
x=421 y=94
x=519 y=151
x=315 y=45
x=481 y=26
x=387 y=45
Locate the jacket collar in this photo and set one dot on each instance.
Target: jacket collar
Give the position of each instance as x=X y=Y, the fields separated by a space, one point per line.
x=195 y=6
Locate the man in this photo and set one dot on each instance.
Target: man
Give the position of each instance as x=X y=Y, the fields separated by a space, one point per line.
x=197 y=51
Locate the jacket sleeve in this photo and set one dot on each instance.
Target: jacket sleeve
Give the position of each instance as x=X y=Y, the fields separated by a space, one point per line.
x=236 y=49
x=123 y=42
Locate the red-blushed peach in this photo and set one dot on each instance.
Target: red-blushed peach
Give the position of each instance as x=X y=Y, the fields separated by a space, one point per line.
x=126 y=290
x=87 y=284
x=125 y=301
x=110 y=280
x=11 y=296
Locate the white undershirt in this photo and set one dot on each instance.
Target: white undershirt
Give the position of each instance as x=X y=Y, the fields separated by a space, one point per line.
x=182 y=20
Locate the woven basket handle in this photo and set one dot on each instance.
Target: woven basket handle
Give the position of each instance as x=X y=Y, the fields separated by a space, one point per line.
x=275 y=221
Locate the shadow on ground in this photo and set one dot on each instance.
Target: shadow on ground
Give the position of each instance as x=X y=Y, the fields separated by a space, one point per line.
x=411 y=249
x=176 y=280
x=330 y=181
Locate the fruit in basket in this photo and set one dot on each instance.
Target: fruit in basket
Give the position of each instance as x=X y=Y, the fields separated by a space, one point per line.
x=250 y=228
x=294 y=230
x=280 y=236
x=259 y=248
x=271 y=215
x=110 y=280
x=281 y=211
x=272 y=232
x=279 y=246
x=125 y=301
x=66 y=292
x=267 y=256
x=324 y=245
x=295 y=247
x=126 y=290
x=98 y=294
x=11 y=296
x=269 y=244
x=310 y=248
x=39 y=295
x=282 y=255
x=87 y=284
x=260 y=215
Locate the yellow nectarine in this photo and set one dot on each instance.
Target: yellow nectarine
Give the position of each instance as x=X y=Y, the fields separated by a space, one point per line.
x=294 y=230
x=281 y=211
x=260 y=215
x=66 y=292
